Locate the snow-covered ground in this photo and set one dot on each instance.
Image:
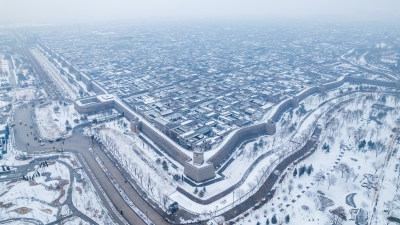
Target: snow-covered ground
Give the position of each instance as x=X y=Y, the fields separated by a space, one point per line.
x=305 y=199
x=37 y=198
x=295 y=125
x=53 y=118
x=86 y=200
x=43 y=197
x=75 y=220
x=25 y=94
x=141 y=162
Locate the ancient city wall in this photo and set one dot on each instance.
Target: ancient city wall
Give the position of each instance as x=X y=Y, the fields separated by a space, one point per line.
x=164 y=144
x=199 y=174
x=123 y=109
x=90 y=108
x=333 y=85
x=307 y=93
x=238 y=138
x=241 y=135
x=281 y=109
x=97 y=89
x=90 y=84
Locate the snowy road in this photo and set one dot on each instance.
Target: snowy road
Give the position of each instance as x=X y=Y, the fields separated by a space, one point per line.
x=80 y=144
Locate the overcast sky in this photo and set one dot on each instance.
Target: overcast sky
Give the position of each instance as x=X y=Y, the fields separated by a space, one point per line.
x=29 y=12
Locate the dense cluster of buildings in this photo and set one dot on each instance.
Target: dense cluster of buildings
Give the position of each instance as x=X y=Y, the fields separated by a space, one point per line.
x=197 y=87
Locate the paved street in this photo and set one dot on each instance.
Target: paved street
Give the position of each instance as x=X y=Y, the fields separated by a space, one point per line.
x=79 y=143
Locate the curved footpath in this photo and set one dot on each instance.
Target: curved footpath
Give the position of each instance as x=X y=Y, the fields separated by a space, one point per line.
x=261 y=157
x=267 y=188
x=67 y=201
x=79 y=144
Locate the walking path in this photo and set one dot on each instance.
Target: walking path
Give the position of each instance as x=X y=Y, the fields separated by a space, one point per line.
x=79 y=144
x=109 y=184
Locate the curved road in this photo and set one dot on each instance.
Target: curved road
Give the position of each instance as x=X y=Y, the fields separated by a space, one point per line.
x=24 y=140
x=78 y=143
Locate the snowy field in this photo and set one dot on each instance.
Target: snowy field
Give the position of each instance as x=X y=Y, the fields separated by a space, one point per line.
x=54 y=118
x=294 y=126
x=25 y=94
x=356 y=162
x=85 y=198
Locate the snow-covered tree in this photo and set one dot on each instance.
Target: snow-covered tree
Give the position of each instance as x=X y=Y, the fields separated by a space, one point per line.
x=319 y=178
x=331 y=180
x=379 y=148
x=274 y=220
x=337 y=216
x=290 y=188
x=377 y=165
x=343 y=168
x=310 y=169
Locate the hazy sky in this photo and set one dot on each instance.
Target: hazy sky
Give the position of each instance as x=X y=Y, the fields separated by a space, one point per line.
x=81 y=11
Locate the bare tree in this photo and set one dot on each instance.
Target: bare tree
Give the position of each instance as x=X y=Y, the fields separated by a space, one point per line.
x=134 y=166
x=357 y=114
x=337 y=215
x=359 y=134
x=164 y=200
x=140 y=175
x=396 y=183
x=149 y=182
x=281 y=154
x=349 y=173
x=377 y=165
x=331 y=139
x=379 y=148
x=290 y=188
x=331 y=180
x=343 y=168
x=240 y=193
x=319 y=178
x=355 y=177
x=251 y=186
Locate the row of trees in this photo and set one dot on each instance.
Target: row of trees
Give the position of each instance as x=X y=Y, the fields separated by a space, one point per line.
x=303 y=169
x=274 y=220
x=145 y=180
x=201 y=192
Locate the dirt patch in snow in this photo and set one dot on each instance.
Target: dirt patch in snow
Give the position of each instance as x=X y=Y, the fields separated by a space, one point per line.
x=60 y=187
x=48 y=211
x=22 y=210
x=79 y=190
x=7 y=205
